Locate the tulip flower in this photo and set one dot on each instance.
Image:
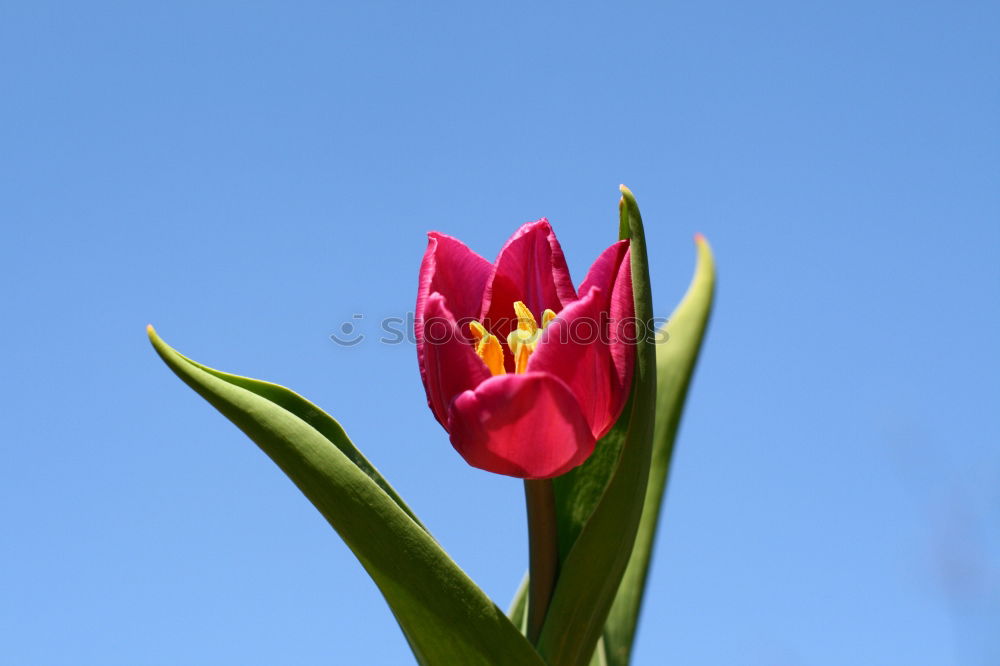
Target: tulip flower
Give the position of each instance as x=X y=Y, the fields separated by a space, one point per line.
x=525 y=372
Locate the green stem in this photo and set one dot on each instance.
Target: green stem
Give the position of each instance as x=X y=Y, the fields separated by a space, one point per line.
x=543 y=551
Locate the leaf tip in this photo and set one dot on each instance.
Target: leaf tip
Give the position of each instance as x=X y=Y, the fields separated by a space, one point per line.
x=628 y=203
x=704 y=249
x=705 y=259
x=155 y=340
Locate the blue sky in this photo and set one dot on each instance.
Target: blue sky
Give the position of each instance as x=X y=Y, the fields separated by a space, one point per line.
x=248 y=176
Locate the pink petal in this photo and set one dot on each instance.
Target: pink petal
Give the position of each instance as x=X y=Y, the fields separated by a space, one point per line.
x=530 y=268
x=585 y=345
x=604 y=270
x=449 y=364
x=528 y=426
x=623 y=327
x=574 y=348
x=458 y=274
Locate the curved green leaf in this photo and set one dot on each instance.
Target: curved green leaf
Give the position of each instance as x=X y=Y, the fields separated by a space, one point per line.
x=518 y=610
x=676 y=357
x=446 y=619
x=596 y=560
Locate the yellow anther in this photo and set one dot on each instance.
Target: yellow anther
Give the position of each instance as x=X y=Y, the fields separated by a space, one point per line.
x=520 y=343
x=492 y=354
x=547 y=317
x=521 y=357
x=488 y=348
x=478 y=330
x=525 y=320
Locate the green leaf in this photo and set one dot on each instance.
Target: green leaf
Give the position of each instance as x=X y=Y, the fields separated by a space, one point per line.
x=579 y=491
x=518 y=611
x=596 y=559
x=676 y=356
x=446 y=619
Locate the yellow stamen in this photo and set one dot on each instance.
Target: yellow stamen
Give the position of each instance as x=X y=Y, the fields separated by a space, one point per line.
x=521 y=357
x=492 y=354
x=488 y=348
x=525 y=320
x=524 y=339
x=478 y=330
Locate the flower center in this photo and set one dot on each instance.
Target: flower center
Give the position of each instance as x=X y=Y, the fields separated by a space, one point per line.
x=521 y=341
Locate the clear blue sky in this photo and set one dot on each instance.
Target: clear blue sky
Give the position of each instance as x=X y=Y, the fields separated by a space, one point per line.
x=247 y=176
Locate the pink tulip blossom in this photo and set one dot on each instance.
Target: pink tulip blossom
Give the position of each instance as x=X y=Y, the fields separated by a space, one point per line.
x=525 y=372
